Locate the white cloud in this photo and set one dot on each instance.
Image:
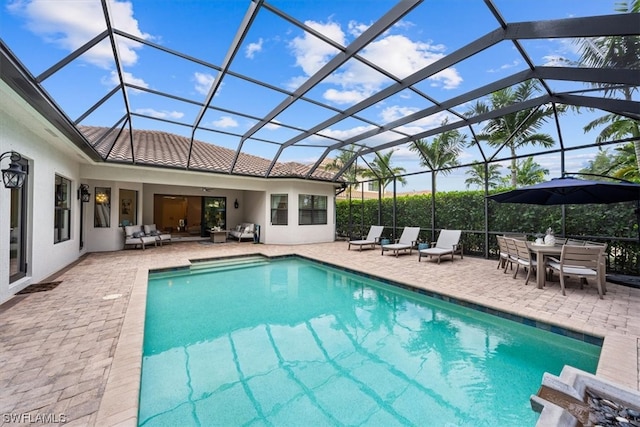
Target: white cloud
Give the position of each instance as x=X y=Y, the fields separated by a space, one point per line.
x=203 y=82
x=396 y=112
x=272 y=125
x=344 y=134
x=556 y=61
x=357 y=28
x=344 y=96
x=252 y=48
x=113 y=80
x=355 y=81
x=312 y=53
x=507 y=66
x=225 y=122
x=70 y=24
x=160 y=114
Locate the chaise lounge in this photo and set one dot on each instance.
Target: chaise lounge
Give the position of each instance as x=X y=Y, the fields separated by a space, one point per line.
x=408 y=239
x=448 y=244
x=372 y=239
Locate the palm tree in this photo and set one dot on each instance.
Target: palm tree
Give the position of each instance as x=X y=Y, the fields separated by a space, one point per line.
x=476 y=175
x=530 y=172
x=518 y=129
x=352 y=172
x=442 y=153
x=614 y=52
x=380 y=168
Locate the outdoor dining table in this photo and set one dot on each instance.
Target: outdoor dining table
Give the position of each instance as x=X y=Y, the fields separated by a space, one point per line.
x=542 y=251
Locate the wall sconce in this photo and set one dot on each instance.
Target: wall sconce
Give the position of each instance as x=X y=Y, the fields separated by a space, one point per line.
x=13 y=176
x=83 y=193
x=236 y=204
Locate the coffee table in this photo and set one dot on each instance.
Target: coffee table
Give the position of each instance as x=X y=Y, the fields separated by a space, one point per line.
x=218 y=236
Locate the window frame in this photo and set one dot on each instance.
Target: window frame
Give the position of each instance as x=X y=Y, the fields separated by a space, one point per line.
x=316 y=214
x=61 y=210
x=279 y=214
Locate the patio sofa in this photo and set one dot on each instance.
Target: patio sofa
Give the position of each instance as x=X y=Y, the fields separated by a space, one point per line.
x=245 y=230
x=135 y=236
x=151 y=230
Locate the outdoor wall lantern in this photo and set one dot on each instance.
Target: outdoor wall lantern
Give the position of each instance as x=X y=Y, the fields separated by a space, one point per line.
x=236 y=204
x=83 y=193
x=13 y=176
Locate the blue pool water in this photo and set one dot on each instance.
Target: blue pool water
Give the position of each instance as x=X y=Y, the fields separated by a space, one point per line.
x=293 y=343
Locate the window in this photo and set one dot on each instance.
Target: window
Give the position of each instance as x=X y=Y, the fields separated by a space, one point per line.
x=102 y=208
x=128 y=207
x=279 y=209
x=372 y=186
x=62 y=214
x=312 y=209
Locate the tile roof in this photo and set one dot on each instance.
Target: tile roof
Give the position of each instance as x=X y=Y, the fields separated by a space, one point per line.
x=156 y=148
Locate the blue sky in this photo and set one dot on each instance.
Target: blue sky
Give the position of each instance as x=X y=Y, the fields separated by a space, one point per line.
x=281 y=54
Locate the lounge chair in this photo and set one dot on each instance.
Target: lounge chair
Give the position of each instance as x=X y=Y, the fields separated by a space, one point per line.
x=408 y=239
x=448 y=244
x=372 y=239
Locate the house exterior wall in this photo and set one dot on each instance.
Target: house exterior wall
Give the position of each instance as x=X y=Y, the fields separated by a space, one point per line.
x=22 y=132
x=292 y=233
x=50 y=153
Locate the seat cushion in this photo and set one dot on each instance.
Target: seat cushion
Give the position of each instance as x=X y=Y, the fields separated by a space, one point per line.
x=436 y=251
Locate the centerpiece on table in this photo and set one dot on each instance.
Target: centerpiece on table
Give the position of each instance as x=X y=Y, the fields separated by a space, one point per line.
x=549 y=239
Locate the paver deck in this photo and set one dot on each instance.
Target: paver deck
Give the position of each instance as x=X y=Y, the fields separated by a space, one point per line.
x=73 y=353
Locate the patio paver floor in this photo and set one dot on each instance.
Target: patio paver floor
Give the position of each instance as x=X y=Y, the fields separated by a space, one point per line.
x=72 y=353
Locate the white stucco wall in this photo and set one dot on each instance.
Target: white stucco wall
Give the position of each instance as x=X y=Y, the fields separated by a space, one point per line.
x=49 y=154
x=292 y=233
x=22 y=130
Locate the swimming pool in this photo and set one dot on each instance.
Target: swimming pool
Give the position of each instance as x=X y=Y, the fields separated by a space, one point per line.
x=292 y=342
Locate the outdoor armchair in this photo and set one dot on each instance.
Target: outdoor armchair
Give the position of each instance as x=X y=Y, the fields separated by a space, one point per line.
x=448 y=244
x=372 y=239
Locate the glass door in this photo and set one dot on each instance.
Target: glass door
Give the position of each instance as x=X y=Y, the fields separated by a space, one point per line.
x=214 y=213
x=18 y=231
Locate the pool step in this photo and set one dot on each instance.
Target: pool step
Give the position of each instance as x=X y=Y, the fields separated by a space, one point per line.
x=229 y=263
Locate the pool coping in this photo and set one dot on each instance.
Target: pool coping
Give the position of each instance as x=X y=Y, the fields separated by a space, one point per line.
x=119 y=404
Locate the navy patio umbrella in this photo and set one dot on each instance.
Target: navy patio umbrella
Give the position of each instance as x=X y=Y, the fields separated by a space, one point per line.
x=571 y=191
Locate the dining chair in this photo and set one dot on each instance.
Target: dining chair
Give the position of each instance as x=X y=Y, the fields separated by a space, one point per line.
x=561 y=241
x=574 y=242
x=503 y=252
x=524 y=259
x=581 y=261
x=512 y=251
x=603 y=261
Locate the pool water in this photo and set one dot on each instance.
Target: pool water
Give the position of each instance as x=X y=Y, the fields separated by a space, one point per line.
x=290 y=342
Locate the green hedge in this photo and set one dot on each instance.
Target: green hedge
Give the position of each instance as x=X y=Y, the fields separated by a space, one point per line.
x=464 y=210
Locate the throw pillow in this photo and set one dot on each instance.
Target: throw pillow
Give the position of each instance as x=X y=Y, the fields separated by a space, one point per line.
x=138 y=234
x=154 y=233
